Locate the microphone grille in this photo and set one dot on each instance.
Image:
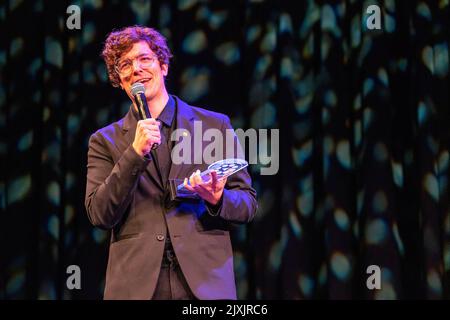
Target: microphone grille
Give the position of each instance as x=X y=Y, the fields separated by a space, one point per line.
x=136 y=88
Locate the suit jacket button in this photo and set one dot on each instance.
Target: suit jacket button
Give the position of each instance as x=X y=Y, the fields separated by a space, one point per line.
x=160 y=237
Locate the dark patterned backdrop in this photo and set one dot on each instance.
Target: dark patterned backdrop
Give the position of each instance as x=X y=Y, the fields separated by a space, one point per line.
x=364 y=144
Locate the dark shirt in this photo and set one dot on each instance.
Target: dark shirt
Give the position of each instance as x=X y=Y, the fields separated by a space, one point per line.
x=163 y=158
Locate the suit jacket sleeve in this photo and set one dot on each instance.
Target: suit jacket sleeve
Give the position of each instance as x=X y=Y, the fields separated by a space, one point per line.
x=110 y=185
x=238 y=203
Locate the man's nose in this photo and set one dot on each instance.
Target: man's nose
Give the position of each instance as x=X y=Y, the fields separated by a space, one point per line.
x=136 y=66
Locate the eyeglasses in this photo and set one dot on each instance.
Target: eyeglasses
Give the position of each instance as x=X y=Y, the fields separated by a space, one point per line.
x=125 y=67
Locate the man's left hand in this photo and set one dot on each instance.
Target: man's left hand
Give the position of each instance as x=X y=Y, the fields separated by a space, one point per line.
x=210 y=190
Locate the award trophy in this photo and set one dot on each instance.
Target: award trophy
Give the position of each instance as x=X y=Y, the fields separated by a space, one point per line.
x=224 y=168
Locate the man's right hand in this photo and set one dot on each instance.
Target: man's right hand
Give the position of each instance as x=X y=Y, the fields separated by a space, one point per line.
x=147 y=133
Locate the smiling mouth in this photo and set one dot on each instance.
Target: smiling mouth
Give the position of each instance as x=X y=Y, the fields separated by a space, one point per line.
x=144 y=80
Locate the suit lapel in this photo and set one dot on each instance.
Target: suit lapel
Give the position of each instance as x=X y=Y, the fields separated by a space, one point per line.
x=128 y=130
x=185 y=121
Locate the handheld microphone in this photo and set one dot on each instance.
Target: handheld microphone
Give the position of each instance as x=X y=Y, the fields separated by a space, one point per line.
x=138 y=92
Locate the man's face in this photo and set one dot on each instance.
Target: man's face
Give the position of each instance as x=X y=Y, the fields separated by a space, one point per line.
x=145 y=68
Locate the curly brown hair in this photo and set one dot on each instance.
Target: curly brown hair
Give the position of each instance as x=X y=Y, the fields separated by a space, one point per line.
x=120 y=42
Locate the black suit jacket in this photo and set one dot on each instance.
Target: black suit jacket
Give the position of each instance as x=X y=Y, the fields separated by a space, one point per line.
x=124 y=194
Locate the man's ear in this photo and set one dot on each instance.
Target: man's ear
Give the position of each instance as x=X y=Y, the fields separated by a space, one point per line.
x=165 y=69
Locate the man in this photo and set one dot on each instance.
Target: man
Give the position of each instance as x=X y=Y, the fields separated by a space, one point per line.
x=160 y=248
